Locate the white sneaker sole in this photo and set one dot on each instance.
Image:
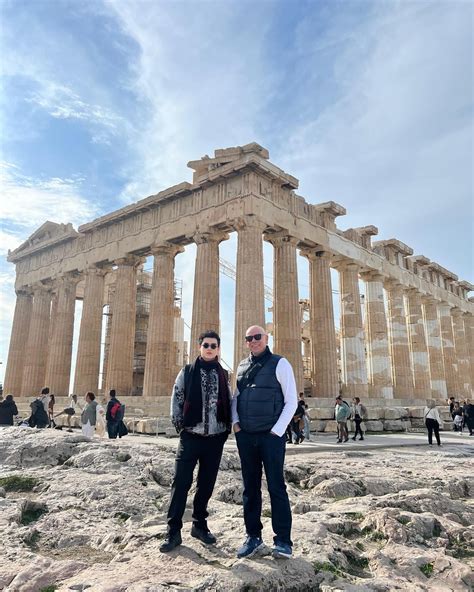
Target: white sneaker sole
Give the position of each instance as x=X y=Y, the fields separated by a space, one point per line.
x=280 y=555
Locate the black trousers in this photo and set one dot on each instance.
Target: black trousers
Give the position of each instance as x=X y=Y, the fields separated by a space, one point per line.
x=112 y=429
x=358 y=430
x=193 y=449
x=433 y=426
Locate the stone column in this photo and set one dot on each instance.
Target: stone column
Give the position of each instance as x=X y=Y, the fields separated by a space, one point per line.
x=418 y=346
x=160 y=351
x=286 y=307
x=460 y=348
x=449 y=352
x=435 y=352
x=206 y=287
x=58 y=369
x=378 y=354
x=36 y=351
x=122 y=332
x=18 y=340
x=88 y=347
x=322 y=328
x=354 y=366
x=402 y=374
x=469 y=331
x=249 y=293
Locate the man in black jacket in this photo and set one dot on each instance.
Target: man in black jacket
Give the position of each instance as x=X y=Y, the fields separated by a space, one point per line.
x=8 y=410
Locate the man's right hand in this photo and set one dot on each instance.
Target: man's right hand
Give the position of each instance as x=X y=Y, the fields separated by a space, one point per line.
x=236 y=428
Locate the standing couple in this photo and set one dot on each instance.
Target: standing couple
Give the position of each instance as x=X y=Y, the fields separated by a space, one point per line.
x=203 y=411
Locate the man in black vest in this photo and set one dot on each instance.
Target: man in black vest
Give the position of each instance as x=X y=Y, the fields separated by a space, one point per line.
x=200 y=411
x=264 y=404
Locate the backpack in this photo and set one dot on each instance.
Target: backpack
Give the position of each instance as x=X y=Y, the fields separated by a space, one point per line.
x=116 y=411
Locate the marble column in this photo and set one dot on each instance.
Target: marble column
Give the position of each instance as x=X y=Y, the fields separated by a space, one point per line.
x=88 y=347
x=462 y=360
x=378 y=354
x=18 y=340
x=402 y=374
x=160 y=360
x=249 y=292
x=122 y=330
x=354 y=366
x=418 y=345
x=286 y=307
x=449 y=352
x=469 y=331
x=206 y=287
x=322 y=328
x=36 y=351
x=435 y=351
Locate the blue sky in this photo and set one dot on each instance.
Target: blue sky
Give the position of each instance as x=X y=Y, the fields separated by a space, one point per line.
x=369 y=104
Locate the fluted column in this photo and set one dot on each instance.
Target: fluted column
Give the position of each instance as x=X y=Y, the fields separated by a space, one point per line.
x=449 y=352
x=36 y=351
x=435 y=351
x=286 y=307
x=354 y=366
x=122 y=330
x=402 y=374
x=469 y=331
x=160 y=353
x=460 y=348
x=206 y=287
x=88 y=347
x=18 y=340
x=418 y=346
x=322 y=328
x=249 y=292
x=378 y=354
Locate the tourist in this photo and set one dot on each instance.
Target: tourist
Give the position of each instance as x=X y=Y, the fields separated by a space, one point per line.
x=469 y=417
x=451 y=405
x=297 y=423
x=8 y=410
x=100 y=424
x=51 y=403
x=200 y=412
x=358 y=414
x=89 y=416
x=113 y=415
x=73 y=408
x=306 y=430
x=433 y=422
x=264 y=403
x=39 y=410
x=457 y=416
x=342 y=412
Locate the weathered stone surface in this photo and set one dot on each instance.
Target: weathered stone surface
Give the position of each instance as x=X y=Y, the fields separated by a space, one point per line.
x=374 y=426
x=393 y=425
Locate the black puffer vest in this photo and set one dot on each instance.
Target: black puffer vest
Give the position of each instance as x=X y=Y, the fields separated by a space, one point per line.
x=260 y=404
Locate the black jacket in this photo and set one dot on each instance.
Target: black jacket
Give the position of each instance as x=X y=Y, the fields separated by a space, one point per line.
x=8 y=410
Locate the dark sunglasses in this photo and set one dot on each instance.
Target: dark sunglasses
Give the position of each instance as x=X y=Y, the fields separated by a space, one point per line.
x=257 y=337
x=207 y=345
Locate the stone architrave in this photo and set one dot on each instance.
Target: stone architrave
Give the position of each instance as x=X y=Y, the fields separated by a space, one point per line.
x=58 y=370
x=322 y=328
x=469 y=331
x=418 y=345
x=435 y=350
x=463 y=366
x=18 y=341
x=249 y=289
x=378 y=354
x=449 y=352
x=122 y=332
x=353 y=363
x=286 y=307
x=36 y=351
x=402 y=374
x=160 y=352
x=206 y=287
x=88 y=347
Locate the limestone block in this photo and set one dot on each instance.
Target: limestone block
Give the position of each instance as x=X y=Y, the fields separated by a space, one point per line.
x=322 y=413
x=331 y=426
x=393 y=426
x=406 y=424
x=374 y=426
x=317 y=425
x=393 y=413
x=374 y=412
x=417 y=422
x=416 y=412
x=444 y=413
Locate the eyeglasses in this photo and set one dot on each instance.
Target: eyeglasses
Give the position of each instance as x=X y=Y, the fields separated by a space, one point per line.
x=207 y=345
x=257 y=337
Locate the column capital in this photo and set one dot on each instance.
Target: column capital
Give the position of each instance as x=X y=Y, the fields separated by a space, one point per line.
x=278 y=239
x=315 y=253
x=372 y=276
x=166 y=248
x=393 y=286
x=456 y=312
x=94 y=270
x=66 y=279
x=210 y=236
x=343 y=264
x=129 y=261
x=24 y=291
x=39 y=287
x=247 y=222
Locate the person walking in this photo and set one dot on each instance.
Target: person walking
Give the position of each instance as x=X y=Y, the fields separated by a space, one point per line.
x=89 y=416
x=433 y=422
x=73 y=408
x=39 y=410
x=51 y=404
x=8 y=410
x=306 y=430
x=200 y=412
x=469 y=417
x=263 y=405
x=298 y=422
x=113 y=415
x=342 y=412
x=358 y=414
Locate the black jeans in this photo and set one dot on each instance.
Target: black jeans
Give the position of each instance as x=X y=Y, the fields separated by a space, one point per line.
x=358 y=430
x=267 y=451
x=112 y=429
x=433 y=426
x=207 y=450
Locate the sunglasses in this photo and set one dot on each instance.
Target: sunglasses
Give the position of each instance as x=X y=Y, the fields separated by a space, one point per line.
x=207 y=345
x=257 y=337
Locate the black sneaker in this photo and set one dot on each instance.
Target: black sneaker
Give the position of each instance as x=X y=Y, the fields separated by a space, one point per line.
x=203 y=535
x=339 y=441
x=171 y=542
x=353 y=438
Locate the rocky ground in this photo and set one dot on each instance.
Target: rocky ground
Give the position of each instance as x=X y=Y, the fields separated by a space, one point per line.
x=89 y=515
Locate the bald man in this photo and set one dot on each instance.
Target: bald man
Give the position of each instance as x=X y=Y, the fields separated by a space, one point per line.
x=263 y=405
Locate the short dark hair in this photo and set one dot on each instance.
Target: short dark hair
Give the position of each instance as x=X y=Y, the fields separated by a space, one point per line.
x=45 y=390
x=112 y=392
x=357 y=399
x=212 y=335
x=90 y=395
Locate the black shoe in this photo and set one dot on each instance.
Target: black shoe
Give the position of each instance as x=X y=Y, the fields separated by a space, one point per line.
x=171 y=542
x=361 y=438
x=339 y=441
x=203 y=535
x=353 y=438
x=346 y=439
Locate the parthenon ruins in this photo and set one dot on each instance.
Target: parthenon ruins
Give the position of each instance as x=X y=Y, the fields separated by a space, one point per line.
x=413 y=338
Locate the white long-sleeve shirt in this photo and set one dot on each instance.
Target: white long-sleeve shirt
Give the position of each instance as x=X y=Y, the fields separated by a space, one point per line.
x=286 y=378
x=433 y=413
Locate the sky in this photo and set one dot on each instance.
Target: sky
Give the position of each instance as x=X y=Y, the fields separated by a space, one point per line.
x=368 y=103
